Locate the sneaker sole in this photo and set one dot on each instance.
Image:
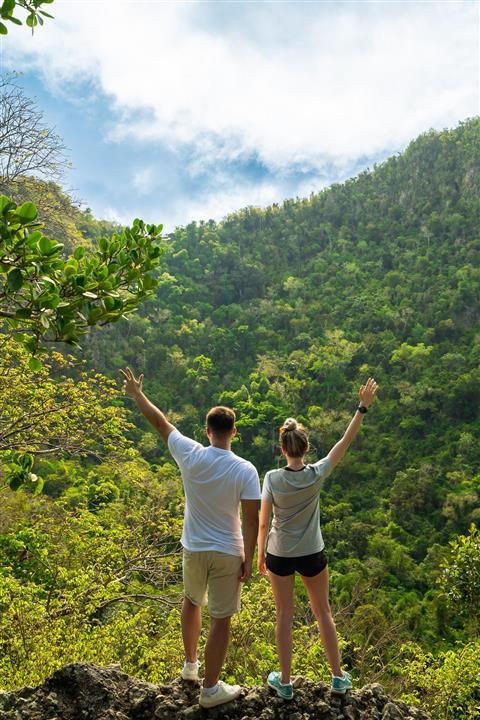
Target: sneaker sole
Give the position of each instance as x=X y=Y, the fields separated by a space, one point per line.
x=222 y=702
x=273 y=687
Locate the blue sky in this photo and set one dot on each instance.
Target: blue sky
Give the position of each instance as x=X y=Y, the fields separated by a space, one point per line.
x=175 y=111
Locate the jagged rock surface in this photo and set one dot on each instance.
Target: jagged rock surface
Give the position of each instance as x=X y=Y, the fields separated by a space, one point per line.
x=87 y=692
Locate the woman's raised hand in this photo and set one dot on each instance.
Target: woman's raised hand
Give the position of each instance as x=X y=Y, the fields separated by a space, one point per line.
x=368 y=392
x=131 y=385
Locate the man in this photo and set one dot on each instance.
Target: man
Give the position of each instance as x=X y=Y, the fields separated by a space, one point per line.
x=218 y=549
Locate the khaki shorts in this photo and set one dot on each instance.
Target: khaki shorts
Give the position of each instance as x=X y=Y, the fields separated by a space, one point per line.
x=219 y=573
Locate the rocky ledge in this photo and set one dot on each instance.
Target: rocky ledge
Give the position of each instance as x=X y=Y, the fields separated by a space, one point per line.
x=87 y=692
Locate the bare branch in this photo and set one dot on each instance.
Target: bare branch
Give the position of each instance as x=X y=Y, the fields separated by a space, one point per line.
x=27 y=145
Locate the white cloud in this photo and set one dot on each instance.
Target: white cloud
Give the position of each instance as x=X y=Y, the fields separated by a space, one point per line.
x=301 y=86
x=113 y=215
x=212 y=204
x=143 y=180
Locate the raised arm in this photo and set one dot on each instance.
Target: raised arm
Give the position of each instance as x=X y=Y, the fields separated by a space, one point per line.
x=133 y=387
x=366 y=396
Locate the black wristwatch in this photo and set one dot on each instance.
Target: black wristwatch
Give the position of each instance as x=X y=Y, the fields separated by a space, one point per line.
x=362 y=409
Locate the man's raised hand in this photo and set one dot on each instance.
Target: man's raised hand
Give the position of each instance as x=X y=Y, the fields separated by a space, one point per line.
x=368 y=392
x=131 y=385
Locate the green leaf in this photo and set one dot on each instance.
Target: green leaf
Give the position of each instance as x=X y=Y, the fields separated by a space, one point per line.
x=45 y=245
x=34 y=237
x=27 y=212
x=38 y=486
x=109 y=303
x=34 y=364
x=19 y=338
x=31 y=344
x=55 y=248
x=16 y=481
x=6 y=204
x=3 y=29
x=26 y=461
x=49 y=302
x=15 y=279
x=69 y=271
x=48 y=280
x=23 y=313
x=79 y=252
x=8 y=6
x=102 y=273
x=44 y=321
x=103 y=244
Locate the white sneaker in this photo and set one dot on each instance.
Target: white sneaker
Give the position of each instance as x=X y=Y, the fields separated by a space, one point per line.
x=190 y=671
x=224 y=694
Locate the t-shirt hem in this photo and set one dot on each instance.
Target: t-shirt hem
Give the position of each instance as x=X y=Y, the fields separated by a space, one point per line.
x=213 y=548
x=295 y=555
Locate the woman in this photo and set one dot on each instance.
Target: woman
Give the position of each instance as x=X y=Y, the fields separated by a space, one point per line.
x=295 y=542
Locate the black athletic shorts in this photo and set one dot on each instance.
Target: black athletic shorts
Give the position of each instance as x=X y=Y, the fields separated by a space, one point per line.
x=306 y=565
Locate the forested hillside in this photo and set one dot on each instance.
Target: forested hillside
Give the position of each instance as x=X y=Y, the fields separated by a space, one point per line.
x=283 y=312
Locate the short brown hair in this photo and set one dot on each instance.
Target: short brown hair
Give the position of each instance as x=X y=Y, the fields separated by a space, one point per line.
x=294 y=439
x=221 y=419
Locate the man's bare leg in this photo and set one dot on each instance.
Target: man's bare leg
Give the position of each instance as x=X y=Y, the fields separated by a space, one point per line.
x=216 y=649
x=191 y=628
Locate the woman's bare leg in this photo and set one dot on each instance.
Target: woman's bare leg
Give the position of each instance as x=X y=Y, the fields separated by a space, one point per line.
x=283 y=593
x=317 y=588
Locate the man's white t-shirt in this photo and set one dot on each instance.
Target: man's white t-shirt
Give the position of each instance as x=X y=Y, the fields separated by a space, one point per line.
x=214 y=481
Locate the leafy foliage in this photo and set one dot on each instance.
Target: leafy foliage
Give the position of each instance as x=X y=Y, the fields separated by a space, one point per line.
x=35 y=13
x=460 y=577
x=55 y=299
x=282 y=312
x=58 y=408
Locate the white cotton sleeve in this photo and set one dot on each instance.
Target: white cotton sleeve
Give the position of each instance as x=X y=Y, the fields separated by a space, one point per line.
x=251 y=485
x=182 y=447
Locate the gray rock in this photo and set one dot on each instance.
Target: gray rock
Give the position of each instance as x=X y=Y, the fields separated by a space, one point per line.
x=88 y=692
x=349 y=712
x=392 y=712
x=193 y=712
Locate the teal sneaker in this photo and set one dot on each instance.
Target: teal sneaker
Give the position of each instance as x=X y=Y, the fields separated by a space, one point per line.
x=283 y=691
x=341 y=685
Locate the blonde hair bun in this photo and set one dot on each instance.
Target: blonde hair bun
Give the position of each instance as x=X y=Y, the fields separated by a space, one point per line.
x=290 y=424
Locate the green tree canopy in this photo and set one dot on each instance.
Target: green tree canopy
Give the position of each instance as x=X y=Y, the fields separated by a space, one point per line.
x=45 y=297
